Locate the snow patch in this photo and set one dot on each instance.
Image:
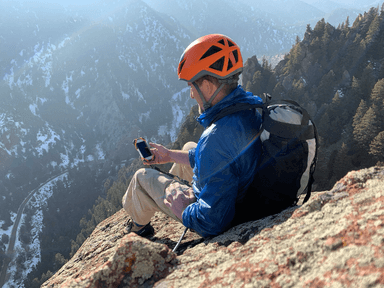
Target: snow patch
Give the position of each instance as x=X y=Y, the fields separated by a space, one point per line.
x=144 y=116
x=33 y=108
x=44 y=140
x=77 y=93
x=100 y=152
x=64 y=160
x=177 y=96
x=141 y=97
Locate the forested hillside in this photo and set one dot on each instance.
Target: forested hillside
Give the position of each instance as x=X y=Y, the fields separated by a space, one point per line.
x=337 y=74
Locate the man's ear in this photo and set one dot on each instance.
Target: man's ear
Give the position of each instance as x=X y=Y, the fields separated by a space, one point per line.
x=208 y=88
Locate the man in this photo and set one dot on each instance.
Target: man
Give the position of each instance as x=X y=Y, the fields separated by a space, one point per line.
x=223 y=160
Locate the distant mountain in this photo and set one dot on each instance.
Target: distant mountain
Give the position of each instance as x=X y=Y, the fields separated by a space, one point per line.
x=255 y=30
x=74 y=89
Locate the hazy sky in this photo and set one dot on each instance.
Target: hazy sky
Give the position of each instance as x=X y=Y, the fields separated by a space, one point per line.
x=62 y=2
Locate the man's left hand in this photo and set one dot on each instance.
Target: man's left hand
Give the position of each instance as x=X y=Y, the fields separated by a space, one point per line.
x=178 y=197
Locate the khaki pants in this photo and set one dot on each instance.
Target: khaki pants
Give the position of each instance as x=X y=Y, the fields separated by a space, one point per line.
x=148 y=189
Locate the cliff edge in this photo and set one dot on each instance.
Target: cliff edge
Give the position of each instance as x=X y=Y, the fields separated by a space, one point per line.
x=336 y=239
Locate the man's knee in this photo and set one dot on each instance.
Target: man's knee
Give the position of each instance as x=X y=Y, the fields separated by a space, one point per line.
x=189 y=145
x=141 y=173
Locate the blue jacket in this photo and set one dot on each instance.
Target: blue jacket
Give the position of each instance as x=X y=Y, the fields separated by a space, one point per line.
x=223 y=163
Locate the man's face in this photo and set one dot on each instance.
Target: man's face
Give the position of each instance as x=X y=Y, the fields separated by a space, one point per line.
x=195 y=95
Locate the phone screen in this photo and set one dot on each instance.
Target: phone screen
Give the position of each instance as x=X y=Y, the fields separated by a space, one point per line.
x=145 y=151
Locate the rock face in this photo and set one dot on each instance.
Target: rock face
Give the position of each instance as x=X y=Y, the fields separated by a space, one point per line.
x=336 y=239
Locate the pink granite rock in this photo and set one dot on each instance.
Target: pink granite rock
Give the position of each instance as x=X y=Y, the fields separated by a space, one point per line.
x=336 y=239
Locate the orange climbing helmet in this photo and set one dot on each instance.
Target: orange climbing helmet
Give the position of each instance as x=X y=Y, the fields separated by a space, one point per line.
x=215 y=54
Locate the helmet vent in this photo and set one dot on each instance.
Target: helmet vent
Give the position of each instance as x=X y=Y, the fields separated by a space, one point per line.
x=229 y=64
x=230 y=44
x=221 y=42
x=181 y=66
x=218 y=65
x=212 y=50
x=236 y=55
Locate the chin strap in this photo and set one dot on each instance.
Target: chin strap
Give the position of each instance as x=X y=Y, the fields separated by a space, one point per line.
x=223 y=82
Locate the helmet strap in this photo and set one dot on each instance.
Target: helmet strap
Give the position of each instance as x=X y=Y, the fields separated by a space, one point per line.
x=208 y=104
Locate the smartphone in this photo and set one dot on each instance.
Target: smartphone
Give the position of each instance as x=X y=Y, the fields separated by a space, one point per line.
x=143 y=149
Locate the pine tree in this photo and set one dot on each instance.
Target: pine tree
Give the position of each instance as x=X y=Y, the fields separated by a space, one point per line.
x=324 y=125
x=360 y=112
x=373 y=29
x=297 y=41
x=326 y=87
x=368 y=20
x=377 y=95
x=366 y=129
x=319 y=28
x=346 y=26
x=356 y=94
x=308 y=32
x=342 y=162
x=357 y=21
x=367 y=81
x=376 y=148
x=278 y=91
x=257 y=83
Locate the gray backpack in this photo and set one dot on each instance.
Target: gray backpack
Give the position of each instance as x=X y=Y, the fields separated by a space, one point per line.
x=289 y=155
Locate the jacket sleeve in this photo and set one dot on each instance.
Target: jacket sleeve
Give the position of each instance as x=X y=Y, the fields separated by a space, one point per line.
x=191 y=155
x=214 y=209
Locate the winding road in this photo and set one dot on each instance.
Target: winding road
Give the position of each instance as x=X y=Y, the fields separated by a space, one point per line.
x=10 y=251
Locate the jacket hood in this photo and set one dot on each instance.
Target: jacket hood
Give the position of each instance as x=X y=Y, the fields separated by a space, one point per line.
x=236 y=96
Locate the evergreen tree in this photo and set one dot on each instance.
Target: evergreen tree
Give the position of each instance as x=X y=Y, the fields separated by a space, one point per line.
x=308 y=32
x=346 y=26
x=324 y=125
x=294 y=59
x=356 y=94
x=278 y=92
x=59 y=261
x=297 y=91
x=367 y=81
x=342 y=162
x=373 y=29
x=368 y=20
x=326 y=87
x=366 y=129
x=377 y=95
x=256 y=85
x=357 y=21
x=360 y=112
x=376 y=148
x=319 y=28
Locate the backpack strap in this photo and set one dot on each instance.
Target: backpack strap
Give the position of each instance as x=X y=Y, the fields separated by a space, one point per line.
x=233 y=109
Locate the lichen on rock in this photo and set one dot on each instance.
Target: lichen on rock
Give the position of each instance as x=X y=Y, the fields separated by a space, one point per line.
x=336 y=239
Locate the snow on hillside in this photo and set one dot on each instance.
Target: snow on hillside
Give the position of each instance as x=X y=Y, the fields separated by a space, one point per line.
x=32 y=250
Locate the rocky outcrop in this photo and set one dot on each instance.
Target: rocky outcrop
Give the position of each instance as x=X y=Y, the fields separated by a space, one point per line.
x=336 y=239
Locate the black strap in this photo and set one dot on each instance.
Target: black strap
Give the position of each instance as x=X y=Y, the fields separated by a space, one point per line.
x=287 y=130
x=185 y=182
x=233 y=109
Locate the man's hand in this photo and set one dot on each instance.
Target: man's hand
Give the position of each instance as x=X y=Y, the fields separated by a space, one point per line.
x=160 y=153
x=178 y=197
x=163 y=155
